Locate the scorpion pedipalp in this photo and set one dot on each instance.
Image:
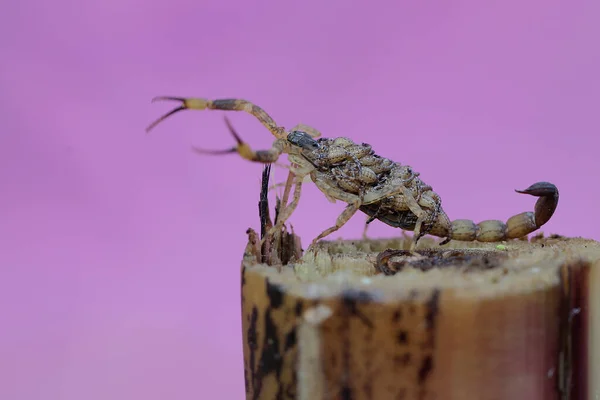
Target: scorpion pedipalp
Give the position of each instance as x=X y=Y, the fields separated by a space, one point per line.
x=191 y=103
x=186 y=104
x=244 y=150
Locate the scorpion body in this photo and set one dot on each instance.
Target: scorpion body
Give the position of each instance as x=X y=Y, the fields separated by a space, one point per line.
x=382 y=189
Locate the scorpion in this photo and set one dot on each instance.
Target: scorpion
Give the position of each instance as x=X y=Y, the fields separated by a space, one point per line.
x=353 y=173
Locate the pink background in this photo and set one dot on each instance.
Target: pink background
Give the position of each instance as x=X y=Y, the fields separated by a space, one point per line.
x=120 y=252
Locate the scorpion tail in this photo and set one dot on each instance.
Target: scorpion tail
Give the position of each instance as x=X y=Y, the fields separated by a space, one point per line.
x=518 y=225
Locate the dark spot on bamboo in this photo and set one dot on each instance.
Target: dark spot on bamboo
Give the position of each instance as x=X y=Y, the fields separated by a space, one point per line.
x=432 y=309
x=252 y=345
x=571 y=381
x=350 y=298
x=298 y=308
x=274 y=294
x=346 y=393
x=397 y=315
x=290 y=390
x=402 y=337
x=349 y=301
x=425 y=369
x=290 y=340
x=270 y=358
x=357 y=296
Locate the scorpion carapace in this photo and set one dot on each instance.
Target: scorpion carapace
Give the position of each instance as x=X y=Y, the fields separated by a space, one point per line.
x=381 y=188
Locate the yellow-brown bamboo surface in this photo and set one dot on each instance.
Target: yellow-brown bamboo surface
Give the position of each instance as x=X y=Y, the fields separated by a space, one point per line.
x=367 y=320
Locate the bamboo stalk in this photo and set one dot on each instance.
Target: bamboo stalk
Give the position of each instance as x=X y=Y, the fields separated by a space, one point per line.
x=364 y=320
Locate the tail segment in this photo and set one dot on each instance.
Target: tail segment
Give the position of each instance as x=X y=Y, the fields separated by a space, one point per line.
x=518 y=225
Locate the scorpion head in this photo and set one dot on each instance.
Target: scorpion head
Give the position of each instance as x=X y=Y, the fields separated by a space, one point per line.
x=302 y=140
x=304 y=148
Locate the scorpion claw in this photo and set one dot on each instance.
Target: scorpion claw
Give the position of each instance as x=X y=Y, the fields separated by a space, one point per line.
x=186 y=103
x=241 y=146
x=167 y=115
x=233 y=132
x=161 y=98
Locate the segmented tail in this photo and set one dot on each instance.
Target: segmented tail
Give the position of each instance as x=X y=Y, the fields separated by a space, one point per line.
x=518 y=225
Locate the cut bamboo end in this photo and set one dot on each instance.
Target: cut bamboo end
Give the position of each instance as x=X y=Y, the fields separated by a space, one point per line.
x=364 y=320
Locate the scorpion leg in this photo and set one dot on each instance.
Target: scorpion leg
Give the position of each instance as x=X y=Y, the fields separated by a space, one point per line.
x=367 y=222
x=354 y=203
x=344 y=217
x=276 y=185
x=283 y=184
x=378 y=195
x=221 y=104
x=396 y=187
x=287 y=189
x=298 y=175
x=288 y=209
x=421 y=214
x=370 y=218
x=245 y=151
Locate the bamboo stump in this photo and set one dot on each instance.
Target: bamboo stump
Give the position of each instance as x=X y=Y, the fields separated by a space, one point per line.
x=368 y=320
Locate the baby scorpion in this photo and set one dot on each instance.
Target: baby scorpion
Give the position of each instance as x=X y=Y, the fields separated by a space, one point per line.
x=379 y=187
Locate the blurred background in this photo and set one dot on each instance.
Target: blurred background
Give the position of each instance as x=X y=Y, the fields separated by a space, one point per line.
x=120 y=251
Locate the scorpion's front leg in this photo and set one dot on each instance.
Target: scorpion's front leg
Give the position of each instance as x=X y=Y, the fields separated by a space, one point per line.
x=354 y=203
x=284 y=184
x=287 y=210
x=295 y=178
x=344 y=217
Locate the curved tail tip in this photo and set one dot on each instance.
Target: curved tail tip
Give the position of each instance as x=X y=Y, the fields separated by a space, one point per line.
x=540 y=189
x=547 y=202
